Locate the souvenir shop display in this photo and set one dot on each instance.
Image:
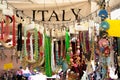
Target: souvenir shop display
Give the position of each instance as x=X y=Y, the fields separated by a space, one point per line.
x=83 y=49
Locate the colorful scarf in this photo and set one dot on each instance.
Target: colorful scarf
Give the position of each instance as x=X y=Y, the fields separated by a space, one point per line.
x=47 y=46
x=67 y=45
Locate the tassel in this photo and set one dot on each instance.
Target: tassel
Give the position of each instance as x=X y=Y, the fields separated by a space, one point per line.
x=13 y=32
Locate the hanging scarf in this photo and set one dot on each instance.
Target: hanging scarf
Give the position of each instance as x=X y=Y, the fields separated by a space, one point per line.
x=57 y=56
x=40 y=42
x=36 y=44
x=48 y=56
x=67 y=45
x=81 y=42
x=31 y=47
x=40 y=38
x=52 y=57
x=67 y=41
x=6 y=29
x=87 y=41
x=19 y=39
x=13 y=32
x=25 y=34
x=84 y=43
x=89 y=67
x=28 y=41
x=2 y=29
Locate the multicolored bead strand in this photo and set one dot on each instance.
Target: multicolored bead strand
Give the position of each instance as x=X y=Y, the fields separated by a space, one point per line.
x=36 y=44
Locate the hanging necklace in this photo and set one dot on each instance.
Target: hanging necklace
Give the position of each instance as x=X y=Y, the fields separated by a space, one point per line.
x=36 y=44
x=5 y=32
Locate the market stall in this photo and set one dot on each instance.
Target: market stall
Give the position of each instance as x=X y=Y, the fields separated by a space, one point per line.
x=59 y=40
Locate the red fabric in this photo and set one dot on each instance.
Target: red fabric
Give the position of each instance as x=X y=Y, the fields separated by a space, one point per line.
x=6 y=30
x=13 y=32
x=41 y=54
x=28 y=41
x=107 y=51
x=28 y=38
x=2 y=29
x=40 y=39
